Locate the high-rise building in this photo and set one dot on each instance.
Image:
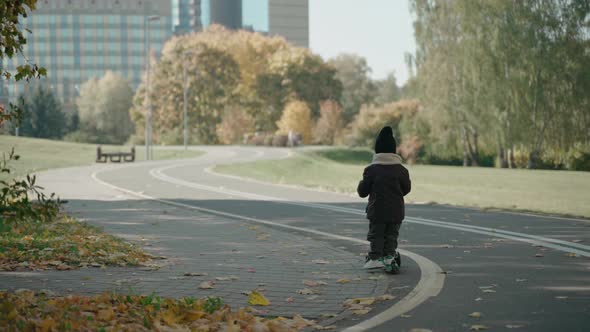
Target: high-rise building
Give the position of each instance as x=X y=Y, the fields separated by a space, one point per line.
x=288 y=18
x=76 y=40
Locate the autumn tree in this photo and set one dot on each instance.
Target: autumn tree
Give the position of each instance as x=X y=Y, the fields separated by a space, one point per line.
x=387 y=90
x=508 y=73
x=12 y=40
x=329 y=124
x=372 y=118
x=297 y=118
x=226 y=68
x=357 y=88
x=103 y=108
x=235 y=123
x=212 y=80
x=296 y=73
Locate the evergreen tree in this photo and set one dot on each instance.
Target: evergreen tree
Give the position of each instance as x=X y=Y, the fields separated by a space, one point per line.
x=43 y=115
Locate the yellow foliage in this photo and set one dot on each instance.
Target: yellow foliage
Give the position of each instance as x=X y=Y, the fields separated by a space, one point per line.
x=256 y=298
x=296 y=117
x=371 y=119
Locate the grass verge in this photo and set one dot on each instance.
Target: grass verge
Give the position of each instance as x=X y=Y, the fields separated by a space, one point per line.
x=41 y=154
x=554 y=192
x=29 y=311
x=63 y=244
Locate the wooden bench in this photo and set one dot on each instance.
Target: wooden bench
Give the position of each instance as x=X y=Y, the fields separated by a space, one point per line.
x=115 y=157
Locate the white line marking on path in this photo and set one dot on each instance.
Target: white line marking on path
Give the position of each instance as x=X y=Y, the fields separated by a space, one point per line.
x=566 y=246
x=431 y=277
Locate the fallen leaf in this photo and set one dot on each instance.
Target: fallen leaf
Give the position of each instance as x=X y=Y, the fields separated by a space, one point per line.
x=478 y=299
x=262 y=236
x=256 y=298
x=539 y=255
x=253 y=228
x=514 y=326
x=320 y=261
x=405 y=316
x=361 y=311
x=385 y=297
x=290 y=299
x=571 y=254
x=343 y=281
x=475 y=314
x=577 y=241
x=311 y=298
x=323 y=328
x=312 y=283
x=326 y=316
x=206 y=285
x=226 y=278
x=250 y=270
x=478 y=327
x=195 y=274
x=360 y=300
x=488 y=291
x=105 y=315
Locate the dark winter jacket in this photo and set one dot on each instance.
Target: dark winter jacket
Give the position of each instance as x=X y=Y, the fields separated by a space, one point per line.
x=386 y=182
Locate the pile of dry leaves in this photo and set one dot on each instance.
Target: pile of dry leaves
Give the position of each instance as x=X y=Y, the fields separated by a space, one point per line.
x=25 y=310
x=62 y=244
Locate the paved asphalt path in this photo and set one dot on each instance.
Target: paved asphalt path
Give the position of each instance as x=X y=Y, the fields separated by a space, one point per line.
x=521 y=272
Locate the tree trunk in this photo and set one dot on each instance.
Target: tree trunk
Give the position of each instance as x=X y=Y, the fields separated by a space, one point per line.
x=502 y=160
x=533 y=160
x=511 y=162
x=474 y=150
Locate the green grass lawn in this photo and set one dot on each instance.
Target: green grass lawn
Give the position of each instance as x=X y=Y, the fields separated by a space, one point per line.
x=555 y=192
x=41 y=154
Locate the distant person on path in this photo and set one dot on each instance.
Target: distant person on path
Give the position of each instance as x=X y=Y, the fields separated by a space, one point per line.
x=386 y=182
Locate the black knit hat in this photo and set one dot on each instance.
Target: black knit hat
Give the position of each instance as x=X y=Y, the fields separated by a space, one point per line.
x=385 y=142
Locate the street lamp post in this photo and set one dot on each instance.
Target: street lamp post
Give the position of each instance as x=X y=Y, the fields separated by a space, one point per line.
x=148 y=118
x=185 y=88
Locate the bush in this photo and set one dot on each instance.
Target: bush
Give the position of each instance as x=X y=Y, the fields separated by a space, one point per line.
x=433 y=159
x=329 y=123
x=235 y=123
x=410 y=148
x=256 y=139
x=280 y=140
x=296 y=117
x=372 y=118
x=81 y=137
x=268 y=140
x=578 y=157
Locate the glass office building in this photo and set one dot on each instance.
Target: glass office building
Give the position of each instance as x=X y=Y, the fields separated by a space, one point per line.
x=76 y=40
x=288 y=18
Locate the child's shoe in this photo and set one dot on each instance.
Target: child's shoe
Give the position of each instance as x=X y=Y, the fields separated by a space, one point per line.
x=373 y=263
x=391 y=263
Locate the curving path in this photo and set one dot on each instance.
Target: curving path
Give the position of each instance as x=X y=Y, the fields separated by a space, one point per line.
x=521 y=272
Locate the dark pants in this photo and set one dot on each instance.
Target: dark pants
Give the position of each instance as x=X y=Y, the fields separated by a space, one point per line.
x=383 y=238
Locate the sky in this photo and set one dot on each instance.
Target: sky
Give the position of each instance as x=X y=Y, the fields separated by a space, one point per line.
x=379 y=30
